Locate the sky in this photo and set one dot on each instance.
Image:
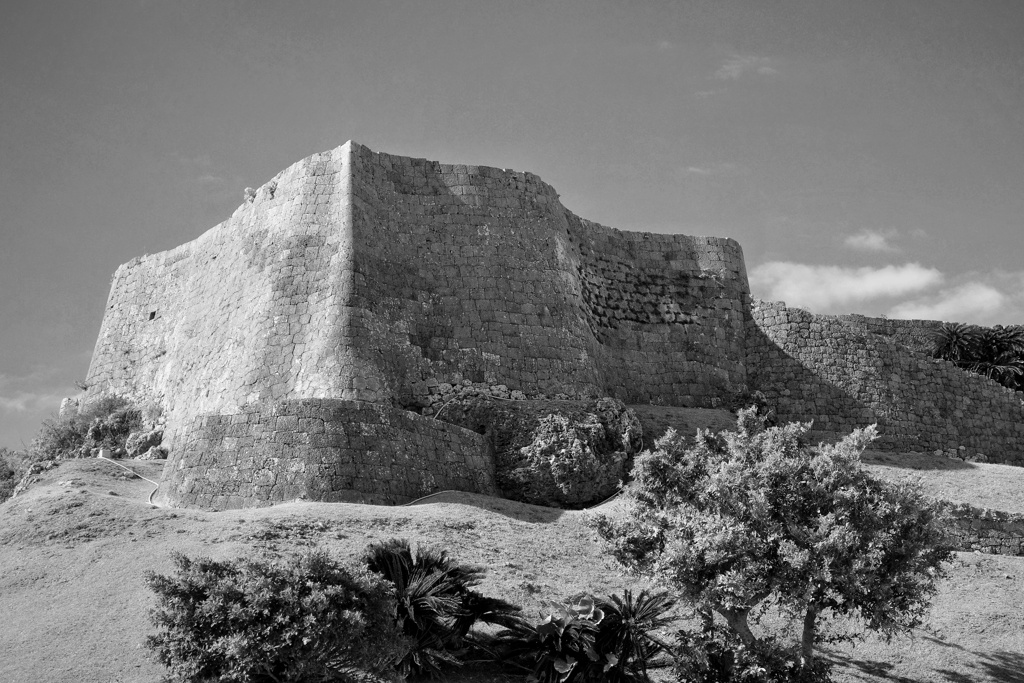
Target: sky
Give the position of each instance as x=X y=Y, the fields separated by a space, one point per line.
x=868 y=156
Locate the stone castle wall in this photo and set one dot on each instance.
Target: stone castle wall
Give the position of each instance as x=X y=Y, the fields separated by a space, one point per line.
x=245 y=313
x=474 y=273
x=323 y=449
x=844 y=372
x=366 y=277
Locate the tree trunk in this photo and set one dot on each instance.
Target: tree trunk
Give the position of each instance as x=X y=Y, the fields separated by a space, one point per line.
x=737 y=620
x=807 y=639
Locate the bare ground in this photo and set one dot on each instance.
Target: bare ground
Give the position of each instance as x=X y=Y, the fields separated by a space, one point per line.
x=75 y=547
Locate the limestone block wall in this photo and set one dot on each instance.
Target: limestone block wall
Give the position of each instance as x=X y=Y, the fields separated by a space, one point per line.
x=480 y=274
x=842 y=373
x=668 y=313
x=987 y=531
x=324 y=450
x=247 y=312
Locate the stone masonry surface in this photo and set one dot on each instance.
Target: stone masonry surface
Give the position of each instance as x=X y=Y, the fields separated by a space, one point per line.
x=988 y=531
x=368 y=277
x=327 y=450
x=842 y=373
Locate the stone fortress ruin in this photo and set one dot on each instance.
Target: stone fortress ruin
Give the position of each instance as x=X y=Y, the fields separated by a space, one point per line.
x=309 y=346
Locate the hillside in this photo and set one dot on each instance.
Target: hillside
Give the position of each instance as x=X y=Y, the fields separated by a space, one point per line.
x=75 y=547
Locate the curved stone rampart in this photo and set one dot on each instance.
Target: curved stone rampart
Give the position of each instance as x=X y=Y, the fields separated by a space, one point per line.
x=323 y=450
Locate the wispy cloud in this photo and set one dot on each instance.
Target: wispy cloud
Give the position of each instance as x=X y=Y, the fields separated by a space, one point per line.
x=967 y=302
x=31 y=392
x=26 y=401
x=719 y=169
x=665 y=45
x=738 y=65
x=907 y=291
x=824 y=289
x=872 y=240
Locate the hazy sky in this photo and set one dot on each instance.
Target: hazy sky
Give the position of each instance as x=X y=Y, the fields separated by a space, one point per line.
x=868 y=155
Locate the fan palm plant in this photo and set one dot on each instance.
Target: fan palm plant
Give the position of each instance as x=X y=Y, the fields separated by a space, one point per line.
x=627 y=633
x=437 y=606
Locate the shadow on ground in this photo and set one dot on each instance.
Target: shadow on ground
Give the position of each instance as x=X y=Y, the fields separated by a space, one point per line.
x=915 y=461
x=523 y=512
x=1002 y=666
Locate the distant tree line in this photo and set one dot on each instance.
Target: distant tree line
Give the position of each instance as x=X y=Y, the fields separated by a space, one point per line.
x=994 y=352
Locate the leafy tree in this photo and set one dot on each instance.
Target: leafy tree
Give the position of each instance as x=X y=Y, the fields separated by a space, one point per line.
x=757 y=514
x=307 y=620
x=437 y=605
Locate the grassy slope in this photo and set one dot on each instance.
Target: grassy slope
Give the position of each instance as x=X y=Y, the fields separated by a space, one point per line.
x=73 y=601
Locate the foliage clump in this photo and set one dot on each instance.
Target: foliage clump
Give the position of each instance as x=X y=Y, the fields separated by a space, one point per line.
x=993 y=352
x=587 y=640
x=105 y=423
x=13 y=465
x=436 y=604
x=248 y=621
x=757 y=516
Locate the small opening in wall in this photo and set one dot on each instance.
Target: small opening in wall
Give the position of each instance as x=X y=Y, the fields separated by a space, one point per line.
x=152 y=314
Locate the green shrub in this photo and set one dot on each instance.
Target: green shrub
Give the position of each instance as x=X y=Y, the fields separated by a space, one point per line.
x=627 y=633
x=562 y=647
x=587 y=639
x=436 y=605
x=758 y=515
x=12 y=468
x=246 y=621
x=105 y=423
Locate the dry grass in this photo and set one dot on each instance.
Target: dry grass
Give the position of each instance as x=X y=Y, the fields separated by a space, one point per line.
x=999 y=487
x=72 y=559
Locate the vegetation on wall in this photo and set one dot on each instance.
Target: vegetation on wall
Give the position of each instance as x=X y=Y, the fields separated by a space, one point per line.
x=994 y=352
x=104 y=423
x=754 y=517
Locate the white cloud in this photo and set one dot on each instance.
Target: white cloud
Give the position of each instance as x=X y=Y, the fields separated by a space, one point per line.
x=824 y=288
x=665 y=45
x=34 y=391
x=737 y=65
x=871 y=240
x=24 y=401
x=965 y=303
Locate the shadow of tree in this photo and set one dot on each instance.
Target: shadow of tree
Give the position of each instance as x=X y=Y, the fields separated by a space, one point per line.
x=1000 y=665
x=874 y=669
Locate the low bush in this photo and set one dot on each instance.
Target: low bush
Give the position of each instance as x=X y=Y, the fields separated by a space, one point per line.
x=12 y=467
x=590 y=640
x=306 y=620
x=105 y=423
